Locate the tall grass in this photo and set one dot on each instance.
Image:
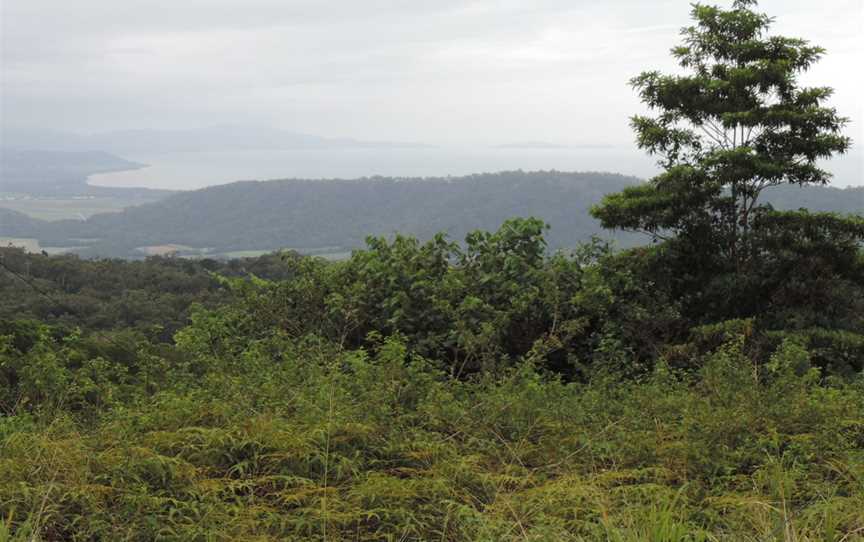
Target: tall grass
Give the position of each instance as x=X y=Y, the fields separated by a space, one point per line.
x=294 y=440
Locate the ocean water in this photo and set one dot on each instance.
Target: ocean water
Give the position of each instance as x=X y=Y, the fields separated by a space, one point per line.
x=192 y=170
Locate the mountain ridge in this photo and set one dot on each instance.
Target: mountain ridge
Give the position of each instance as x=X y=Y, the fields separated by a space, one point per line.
x=337 y=213
x=214 y=138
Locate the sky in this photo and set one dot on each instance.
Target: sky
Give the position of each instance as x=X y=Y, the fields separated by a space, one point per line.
x=435 y=71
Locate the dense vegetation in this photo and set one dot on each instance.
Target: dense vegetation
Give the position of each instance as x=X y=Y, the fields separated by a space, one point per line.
x=426 y=391
x=152 y=297
x=708 y=386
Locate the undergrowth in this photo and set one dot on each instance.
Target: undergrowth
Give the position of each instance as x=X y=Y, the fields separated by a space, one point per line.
x=298 y=440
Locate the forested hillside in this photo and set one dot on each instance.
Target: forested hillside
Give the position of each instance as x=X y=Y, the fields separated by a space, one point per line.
x=817 y=198
x=341 y=213
x=336 y=215
x=17 y=224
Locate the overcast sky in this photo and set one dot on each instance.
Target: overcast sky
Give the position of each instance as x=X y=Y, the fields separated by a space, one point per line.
x=437 y=71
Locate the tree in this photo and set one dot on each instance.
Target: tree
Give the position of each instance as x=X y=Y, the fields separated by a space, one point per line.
x=735 y=123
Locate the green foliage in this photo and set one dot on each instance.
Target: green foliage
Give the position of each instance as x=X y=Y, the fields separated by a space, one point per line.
x=736 y=123
x=496 y=299
x=708 y=387
x=379 y=444
x=153 y=296
x=435 y=391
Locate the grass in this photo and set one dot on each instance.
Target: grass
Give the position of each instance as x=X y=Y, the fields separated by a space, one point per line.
x=288 y=440
x=68 y=208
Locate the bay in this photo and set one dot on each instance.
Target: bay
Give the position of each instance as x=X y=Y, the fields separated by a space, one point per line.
x=193 y=170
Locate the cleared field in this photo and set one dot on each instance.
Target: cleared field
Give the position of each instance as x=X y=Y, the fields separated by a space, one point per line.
x=30 y=245
x=62 y=250
x=242 y=254
x=68 y=208
x=325 y=253
x=167 y=250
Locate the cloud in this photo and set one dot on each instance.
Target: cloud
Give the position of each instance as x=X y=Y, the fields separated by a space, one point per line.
x=449 y=70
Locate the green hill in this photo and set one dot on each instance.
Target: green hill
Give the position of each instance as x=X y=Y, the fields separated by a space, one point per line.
x=336 y=215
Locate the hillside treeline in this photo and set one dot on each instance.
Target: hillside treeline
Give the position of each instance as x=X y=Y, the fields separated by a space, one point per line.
x=337 y=215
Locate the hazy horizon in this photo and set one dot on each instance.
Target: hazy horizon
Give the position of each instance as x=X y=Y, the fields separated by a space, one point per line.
x=473 y=75
x=487 y=71
x=193 y=170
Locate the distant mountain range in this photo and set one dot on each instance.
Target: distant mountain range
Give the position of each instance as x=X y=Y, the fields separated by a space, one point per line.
x=215 y=138
x=336 y=215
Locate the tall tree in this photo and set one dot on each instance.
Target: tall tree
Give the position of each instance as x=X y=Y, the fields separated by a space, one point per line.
x=734 y=123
